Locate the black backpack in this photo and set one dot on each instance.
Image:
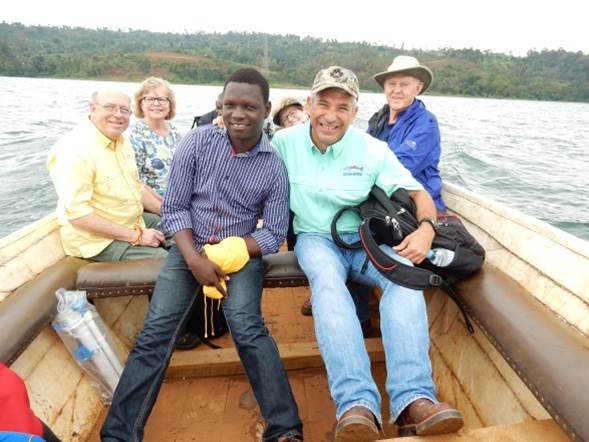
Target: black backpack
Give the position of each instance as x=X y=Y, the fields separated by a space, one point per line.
x=207 y=320
x=388 y=220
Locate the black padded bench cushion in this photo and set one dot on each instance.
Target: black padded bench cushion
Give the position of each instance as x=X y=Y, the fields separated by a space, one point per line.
x=551 y=359
x=122 y=278
x=31 y=307
x=106 y=279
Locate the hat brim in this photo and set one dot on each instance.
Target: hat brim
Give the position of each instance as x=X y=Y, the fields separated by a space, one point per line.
x=422 y=73
x=275 y=118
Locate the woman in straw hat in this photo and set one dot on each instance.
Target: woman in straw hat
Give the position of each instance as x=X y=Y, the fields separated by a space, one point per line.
x=410 y=130
x=289 y=112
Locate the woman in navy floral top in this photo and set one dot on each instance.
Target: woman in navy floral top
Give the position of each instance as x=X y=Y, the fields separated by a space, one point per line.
x=153 y=137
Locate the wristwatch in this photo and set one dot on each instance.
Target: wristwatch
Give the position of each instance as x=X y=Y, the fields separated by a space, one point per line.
x=432 y=222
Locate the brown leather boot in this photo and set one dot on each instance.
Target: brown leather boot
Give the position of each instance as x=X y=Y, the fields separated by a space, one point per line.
x=422 y=417
x=357 y=425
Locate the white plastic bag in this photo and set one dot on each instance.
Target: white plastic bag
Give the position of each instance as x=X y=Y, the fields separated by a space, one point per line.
x=88 y=340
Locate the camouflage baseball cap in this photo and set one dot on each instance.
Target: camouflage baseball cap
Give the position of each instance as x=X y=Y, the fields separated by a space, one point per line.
x=338 y=77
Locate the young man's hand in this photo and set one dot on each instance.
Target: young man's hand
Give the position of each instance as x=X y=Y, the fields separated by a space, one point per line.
x=206 y=272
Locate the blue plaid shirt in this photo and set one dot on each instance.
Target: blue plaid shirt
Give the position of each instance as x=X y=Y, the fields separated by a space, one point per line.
x=218 y=193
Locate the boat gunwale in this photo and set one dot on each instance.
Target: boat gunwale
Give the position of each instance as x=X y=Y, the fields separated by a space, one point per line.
x=571 y=242
x=47 y=224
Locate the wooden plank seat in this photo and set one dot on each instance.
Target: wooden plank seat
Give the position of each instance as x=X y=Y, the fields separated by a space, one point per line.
x=546 y=353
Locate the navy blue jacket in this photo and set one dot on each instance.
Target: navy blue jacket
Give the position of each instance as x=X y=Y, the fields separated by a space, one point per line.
x=415 y=140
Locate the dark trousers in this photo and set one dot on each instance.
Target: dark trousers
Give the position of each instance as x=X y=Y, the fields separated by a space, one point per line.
x=140 y=383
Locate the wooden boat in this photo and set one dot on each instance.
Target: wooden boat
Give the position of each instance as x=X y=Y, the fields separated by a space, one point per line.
x=522 y=376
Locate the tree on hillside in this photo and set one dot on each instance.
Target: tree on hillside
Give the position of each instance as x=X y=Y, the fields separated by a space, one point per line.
x=292 y=61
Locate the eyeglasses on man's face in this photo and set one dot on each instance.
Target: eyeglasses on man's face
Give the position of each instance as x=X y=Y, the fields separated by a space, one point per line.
x=114 y=108
x=156 y=100
x=292 y=116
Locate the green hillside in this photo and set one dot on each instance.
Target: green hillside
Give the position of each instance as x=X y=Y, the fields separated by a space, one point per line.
x=291 y=61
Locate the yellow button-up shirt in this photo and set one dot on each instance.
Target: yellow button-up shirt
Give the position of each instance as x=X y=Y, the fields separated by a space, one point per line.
x=93 y=174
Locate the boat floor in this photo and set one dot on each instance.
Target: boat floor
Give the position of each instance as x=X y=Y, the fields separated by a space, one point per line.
x=222 y=408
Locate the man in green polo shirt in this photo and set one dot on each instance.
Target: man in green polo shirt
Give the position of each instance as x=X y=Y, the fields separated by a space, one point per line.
x=331 y=165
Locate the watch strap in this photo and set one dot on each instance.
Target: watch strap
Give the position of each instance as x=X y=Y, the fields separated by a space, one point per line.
x=432 y=222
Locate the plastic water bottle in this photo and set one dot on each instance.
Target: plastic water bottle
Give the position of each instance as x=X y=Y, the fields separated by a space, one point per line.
x=85 y=335
x=440 y=257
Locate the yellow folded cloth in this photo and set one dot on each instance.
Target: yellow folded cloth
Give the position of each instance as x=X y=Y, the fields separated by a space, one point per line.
x=231 y=255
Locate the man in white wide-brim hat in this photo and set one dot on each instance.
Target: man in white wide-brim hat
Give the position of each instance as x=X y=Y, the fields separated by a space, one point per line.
x=410 y=130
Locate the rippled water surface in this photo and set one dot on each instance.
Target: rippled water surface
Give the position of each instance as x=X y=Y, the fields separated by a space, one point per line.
x=533 y=156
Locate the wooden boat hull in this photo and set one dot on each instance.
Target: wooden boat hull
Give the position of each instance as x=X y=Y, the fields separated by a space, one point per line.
x=469 y=371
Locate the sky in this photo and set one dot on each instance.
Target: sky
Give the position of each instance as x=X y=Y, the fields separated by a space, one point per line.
x=507 y=26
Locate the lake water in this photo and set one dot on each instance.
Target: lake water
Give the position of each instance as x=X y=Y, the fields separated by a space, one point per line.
x=530 y=155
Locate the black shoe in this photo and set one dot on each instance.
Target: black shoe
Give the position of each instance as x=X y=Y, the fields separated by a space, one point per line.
x=188 y=341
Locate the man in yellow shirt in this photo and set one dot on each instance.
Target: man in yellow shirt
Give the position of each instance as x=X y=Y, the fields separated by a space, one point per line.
x=101 y=198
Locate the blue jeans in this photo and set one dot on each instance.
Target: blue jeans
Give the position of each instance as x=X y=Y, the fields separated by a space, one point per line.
x=361 y=297
x=173 y=296
x=403 y=323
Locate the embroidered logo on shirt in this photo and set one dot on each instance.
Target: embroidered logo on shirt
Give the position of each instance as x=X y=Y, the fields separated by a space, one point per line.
x=353 y=170
x=412 y=144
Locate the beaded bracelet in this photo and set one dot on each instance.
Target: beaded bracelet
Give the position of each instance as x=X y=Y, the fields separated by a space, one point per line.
x=139 y=231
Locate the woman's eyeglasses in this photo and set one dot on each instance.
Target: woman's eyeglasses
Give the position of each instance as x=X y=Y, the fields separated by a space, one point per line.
x=157 y=100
